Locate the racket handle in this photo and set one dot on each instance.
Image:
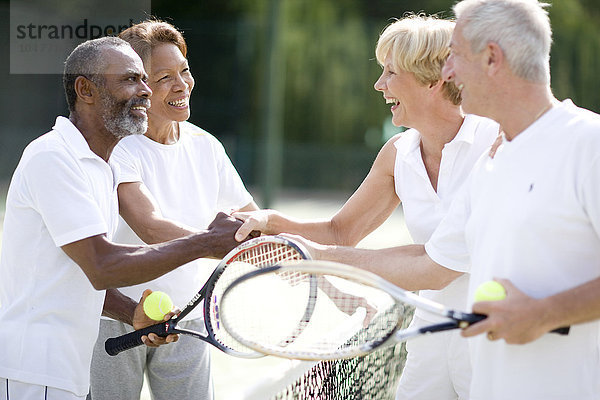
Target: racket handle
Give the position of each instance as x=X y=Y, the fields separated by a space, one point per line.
x=560 y=331
x=114 y=346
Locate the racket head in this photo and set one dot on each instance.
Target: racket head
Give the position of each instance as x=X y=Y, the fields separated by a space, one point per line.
x=249 y=256
x=352 y=314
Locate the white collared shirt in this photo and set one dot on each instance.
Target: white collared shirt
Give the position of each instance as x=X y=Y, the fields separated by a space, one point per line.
x=60 y=192
x=424 y=208
x=532 y=215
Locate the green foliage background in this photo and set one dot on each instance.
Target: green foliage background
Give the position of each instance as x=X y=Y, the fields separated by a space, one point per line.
x=292 y=91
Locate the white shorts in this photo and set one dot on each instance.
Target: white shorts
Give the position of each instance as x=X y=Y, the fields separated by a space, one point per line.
x=437 y=367
x=15 y=390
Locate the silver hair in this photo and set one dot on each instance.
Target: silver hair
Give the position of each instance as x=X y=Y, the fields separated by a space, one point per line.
x=88 y=60
x=520 y=27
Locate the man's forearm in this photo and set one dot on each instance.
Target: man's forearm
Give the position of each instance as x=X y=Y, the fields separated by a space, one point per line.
x=134 y=265
x=118 y=306
x=110 y=265
x=574 y=306
x=406 y=266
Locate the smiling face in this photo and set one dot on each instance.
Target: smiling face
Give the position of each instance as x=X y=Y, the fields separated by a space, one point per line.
x=171 y=82
x=404 y=92
x=123 y=94
x=465 y=69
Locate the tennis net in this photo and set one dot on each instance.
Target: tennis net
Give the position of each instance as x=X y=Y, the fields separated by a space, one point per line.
x=371 y=377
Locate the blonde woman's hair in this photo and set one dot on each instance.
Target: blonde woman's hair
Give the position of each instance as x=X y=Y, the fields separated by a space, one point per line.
x=419 y=44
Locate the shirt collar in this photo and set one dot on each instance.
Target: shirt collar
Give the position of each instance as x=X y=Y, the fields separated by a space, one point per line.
x=75 y=141
x=73 y=138
x=466 y=133
x=410 y=140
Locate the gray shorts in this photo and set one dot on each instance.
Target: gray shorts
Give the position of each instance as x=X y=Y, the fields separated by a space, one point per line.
x=178 y=370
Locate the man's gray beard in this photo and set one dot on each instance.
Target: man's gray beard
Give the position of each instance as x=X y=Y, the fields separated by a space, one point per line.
x=125 y=125
x=118 y=120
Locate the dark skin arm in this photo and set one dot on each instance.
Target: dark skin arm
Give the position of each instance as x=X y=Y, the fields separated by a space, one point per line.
x=122 y=308
x=139 y=209
x=110 y=265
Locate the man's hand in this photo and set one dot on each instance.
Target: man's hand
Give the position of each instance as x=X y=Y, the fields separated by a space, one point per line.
x=222 y=231
x=518 y=319
x=141 y=320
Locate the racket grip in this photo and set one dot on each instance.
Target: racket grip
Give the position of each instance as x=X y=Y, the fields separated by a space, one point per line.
x=560 y=331
x=114 y=346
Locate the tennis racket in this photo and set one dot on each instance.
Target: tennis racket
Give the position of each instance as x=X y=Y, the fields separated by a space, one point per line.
x=355 y=312
x=248 y=256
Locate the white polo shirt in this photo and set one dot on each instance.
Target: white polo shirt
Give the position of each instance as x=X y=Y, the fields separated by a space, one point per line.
x=191 y=180
x=60 y=192
x=532 y=215
x=425 y=207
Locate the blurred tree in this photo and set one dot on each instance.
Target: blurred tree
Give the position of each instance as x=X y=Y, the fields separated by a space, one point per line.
x=575 y=58
x=332 y=119
x=330 y=115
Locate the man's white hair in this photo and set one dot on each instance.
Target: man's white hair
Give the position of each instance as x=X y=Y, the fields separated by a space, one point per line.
x=520 y=27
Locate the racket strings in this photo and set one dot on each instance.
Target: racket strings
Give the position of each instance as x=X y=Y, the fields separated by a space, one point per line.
x=268 y=254
x=345 y=319
x=248 y=260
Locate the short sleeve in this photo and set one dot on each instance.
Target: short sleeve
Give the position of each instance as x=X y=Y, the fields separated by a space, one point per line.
x=129 y=171
x=590 y=194
x=232 y=192
x=62 y=195
x=447 y=246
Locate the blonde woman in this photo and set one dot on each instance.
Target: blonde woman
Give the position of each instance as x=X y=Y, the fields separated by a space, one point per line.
x=423 y=168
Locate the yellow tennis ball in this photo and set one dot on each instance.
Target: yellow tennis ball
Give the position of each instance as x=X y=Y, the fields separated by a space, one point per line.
x=490 y=291
x=157 y=304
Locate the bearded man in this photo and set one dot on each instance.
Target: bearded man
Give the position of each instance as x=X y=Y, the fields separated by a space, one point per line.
x=59 y=268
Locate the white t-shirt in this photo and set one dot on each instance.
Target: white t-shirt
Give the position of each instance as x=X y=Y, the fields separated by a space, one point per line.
x=424 y=208
x=191 y=181
x=532 y=215
x=60 y=192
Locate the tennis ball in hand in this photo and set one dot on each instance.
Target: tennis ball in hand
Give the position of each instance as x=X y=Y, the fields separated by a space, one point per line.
x=490 y=291
x=157 y=304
